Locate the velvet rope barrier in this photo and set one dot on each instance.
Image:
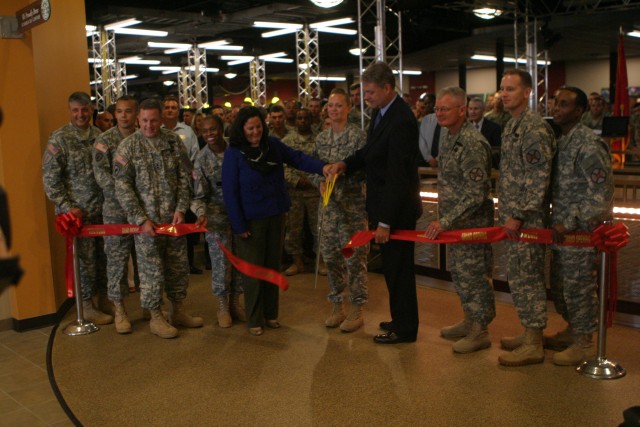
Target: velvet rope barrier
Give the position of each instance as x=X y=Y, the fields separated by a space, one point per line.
x=70 y=226
x=607 y=238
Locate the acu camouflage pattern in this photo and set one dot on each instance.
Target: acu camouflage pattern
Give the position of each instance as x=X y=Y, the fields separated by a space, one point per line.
x=207 y=200
x=302 y=200
x=152 y=184
x=117 y=248
x=464 y=178
x=500 y=118
x=528 y=147
x=588 y=120
x=344 y=215
x=69 y=183
x=634 y=136
x=582 y=198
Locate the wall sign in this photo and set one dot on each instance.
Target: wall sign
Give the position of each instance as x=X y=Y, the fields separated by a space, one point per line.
x=34 y=14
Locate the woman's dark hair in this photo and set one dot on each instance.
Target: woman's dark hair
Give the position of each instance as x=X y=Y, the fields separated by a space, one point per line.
x=236 y=136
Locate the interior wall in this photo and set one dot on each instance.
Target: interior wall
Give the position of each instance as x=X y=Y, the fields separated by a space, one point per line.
x=593 y=76
x=37 y=74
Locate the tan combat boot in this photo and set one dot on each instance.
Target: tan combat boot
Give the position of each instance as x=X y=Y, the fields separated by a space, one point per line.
x=354 y=320
x=237 y=309
x=511 y=343
x=337 y=316
x=459 y=330
x=159 y=325
x=322 y=268
x=297 y=267
x=121 y=321
x=94 y=315
x=178 y=317
x=559 y=341
x=103 y=303
x=223 y=315
x=476 y=339
x=529 y=353
x=581 y=349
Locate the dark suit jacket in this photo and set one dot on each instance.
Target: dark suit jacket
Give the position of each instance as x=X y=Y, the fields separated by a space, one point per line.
x=389 y=160
x=493 y=133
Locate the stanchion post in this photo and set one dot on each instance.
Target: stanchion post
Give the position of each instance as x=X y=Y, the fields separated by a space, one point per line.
x=78 y=326
x=601 y=368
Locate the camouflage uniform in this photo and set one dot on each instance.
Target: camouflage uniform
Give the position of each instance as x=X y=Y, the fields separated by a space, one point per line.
x=303 y=201
x=528 y=146
x=588 y=120
x=499 y=118
x=117 y=248
x=582 y=198
x=207 y=200
x=355 y=117
x=463 y=202
x=151 y=184
x=634 y=136
x=344 y=215
x=69 y=183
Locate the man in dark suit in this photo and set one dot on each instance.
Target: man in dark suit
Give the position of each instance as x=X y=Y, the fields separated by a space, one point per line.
x=489 y=129
x=393 y=200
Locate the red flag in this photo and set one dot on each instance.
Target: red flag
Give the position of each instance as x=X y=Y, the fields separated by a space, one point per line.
x=621 y=103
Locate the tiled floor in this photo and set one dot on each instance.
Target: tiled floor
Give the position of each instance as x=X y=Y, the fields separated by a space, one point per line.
x=26 y=398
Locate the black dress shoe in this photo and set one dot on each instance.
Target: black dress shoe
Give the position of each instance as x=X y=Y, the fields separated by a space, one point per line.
x=391 y=338
x=194 y=270
x=386 y=326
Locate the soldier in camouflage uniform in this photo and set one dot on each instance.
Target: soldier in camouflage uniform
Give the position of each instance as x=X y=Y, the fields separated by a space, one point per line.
x=69 y=183
x=118 y=248
x=633 y=150
x=152 y=187
x=463 y=202
x=344 y=215
x=497 y=113
x=207 y=200
x=594 y=117
x=528 y=147
x=303 y=193
x=582 y=199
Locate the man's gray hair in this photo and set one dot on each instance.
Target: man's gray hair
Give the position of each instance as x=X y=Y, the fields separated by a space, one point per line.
x=476 y=99
x=80 y=97
x=454 y=92
x=379 y=74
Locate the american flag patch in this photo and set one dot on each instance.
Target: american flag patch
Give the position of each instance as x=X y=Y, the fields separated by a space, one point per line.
x=53 y=149
x=122 y=160
x=101 y=147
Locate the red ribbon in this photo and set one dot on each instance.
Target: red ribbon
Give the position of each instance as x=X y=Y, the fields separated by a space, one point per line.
x=606 y=238
x=70 y=226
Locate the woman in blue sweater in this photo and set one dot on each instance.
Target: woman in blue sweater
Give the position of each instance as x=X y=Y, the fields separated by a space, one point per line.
x=256 y=198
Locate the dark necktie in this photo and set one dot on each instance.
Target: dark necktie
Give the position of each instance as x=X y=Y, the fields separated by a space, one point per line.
x=378 y=118
x=435 y=145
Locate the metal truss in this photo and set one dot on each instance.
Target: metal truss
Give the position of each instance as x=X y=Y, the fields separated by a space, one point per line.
x=308 y=63
x=258 y=79
x=108 y=74
x=183 y=83
x=195 y=92
x=373 y=41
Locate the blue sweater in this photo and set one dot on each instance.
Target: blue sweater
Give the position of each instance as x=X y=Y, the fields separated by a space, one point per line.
x=250 y=195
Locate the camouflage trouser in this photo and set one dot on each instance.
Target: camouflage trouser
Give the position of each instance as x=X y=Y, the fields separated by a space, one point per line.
x=295 y=223
x=526 y=276
x=340 y=221
x=92 y=262
x=573 y=287
x=118 y=250
x=224 y=279
x=163 y=264
x=471 y=273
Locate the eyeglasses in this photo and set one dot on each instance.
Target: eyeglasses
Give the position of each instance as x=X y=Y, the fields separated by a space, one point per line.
x=445 y=109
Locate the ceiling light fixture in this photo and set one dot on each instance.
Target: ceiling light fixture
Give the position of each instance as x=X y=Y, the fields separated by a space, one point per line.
x=168 y=82
x=480 y=57
x=487 y=12
x=140 y=32
x=127 y=77
x=326 y=3
x=409 y=72
x=163 y=45
x=137 y=60
x=634 y=33
x=122 y=24
x=230 y=75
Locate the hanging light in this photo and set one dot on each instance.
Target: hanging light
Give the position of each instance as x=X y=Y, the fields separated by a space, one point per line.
x=487 y=12
x=326 y=3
